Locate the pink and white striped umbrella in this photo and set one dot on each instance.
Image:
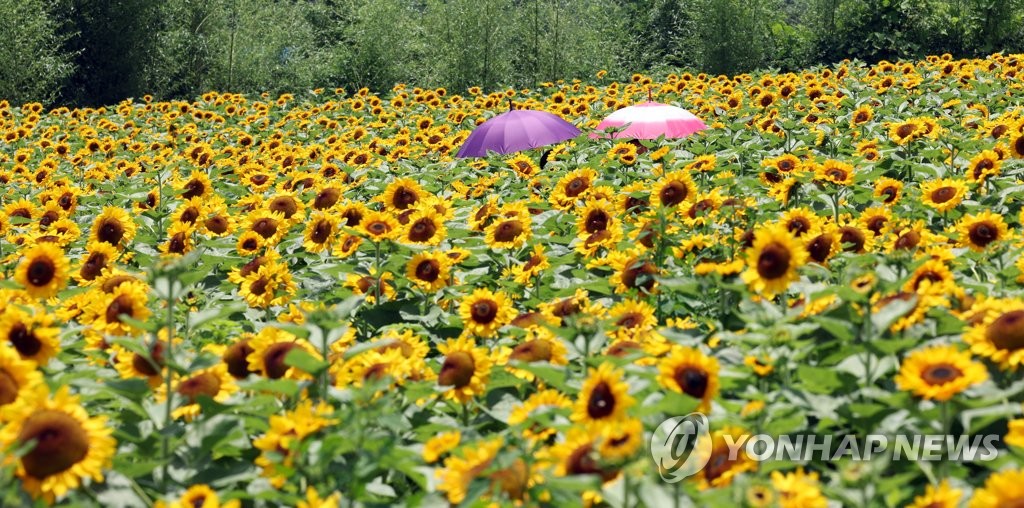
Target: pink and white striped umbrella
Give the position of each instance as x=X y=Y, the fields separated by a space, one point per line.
x=651 y=120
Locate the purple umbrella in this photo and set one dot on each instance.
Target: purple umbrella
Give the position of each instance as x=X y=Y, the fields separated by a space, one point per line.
x=515 y=131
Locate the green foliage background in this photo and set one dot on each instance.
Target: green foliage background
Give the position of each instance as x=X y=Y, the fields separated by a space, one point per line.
x=95 y=52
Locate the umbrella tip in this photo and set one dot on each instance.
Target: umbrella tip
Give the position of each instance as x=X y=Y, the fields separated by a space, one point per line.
x=650 y=96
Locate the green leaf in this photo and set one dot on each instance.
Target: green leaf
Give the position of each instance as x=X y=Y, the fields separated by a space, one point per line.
x=305 y=362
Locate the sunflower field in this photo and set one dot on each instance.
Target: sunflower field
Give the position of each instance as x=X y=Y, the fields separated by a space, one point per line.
x=307 y=300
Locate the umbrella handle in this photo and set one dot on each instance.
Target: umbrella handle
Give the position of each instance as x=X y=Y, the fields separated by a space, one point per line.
x=510 y=104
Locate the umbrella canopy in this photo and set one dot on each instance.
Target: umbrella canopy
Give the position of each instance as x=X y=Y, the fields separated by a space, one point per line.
x=516 y=131
x=651 y=120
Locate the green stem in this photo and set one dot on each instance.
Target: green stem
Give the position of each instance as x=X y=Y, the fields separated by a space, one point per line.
x=168 y=407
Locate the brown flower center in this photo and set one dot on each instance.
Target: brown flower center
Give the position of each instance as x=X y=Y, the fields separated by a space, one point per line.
x=207 y=384
x=943 y=194
x=673 y=193
x=24 y=340
x=576 y=187
x=150 y=366
x=532 y=351
x=189 y=215
x=907 y=240
x=983 y=233
x=940 y=374
x=60 y=442
x=404 y=198
x=273 y=359
x=41 y=271
x=326 y=198
x=719 y=463
x=798 y=226
x=286 y=205
x=422 y=230
x=194 y=188
x=692 y=381
x=321 y=231
x=905 y=130
x=216 y=224
x=639 y=274
x=852 y=236
x=265 y=227
x=774 y=261
x=428 y=270
x=508 y=231
x=597 y=220
x=123 y=304
x=484 y=311
x=820 y=247
x=457 y=370
x=8 y=388
x=601 y=402
x=236 y=358
x=1007 y=331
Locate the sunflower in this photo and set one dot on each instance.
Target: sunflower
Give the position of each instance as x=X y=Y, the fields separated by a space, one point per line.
x=99 y=258
x=943 y=195
x=69 y=446
x=439 y=445
x=249 y=243
x=904 y=132
x=939 y=373
x=113 y=226
x=603 y=399
x=214 y=382
x=797 y=489
x=484 y=312
x=401 y=194
x=837 y=172
x=425 y=227
x=150 y=366
x=984 y=165
x=532 y=268
x=320 y=232
x=1017 y=146
x=271 y=226
x=978 y=231
x=179 y=239
x=933 y=276
x=595 y=217
x=998 y=334
x=723 y=465
x=888 y=190
x=352 y=213
x=463 y=467
x=509 y=232
x=197 y=185
x=269 y=285
x=572 y=187
x=861 y=115
x=31 y=335
x=372 y=287
x=799 y=221
x=129 y=298
x=577 y=455
x=541 y=403
x=270 y=348
x=523 y=165
x=465 y=370
x=19 y=380
x=283 y=439
x=428 y=270
x=632 y=319
x=43 y=270
x=672 y=189
x=1002 y=489
x=202 y=496
x=690 y=372
x=941 y=496
x=379 y=226
x=773 y=260
x=620 y=442
x=288 y=205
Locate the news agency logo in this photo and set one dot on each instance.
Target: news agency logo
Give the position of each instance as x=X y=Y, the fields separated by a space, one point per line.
x=682 y=446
